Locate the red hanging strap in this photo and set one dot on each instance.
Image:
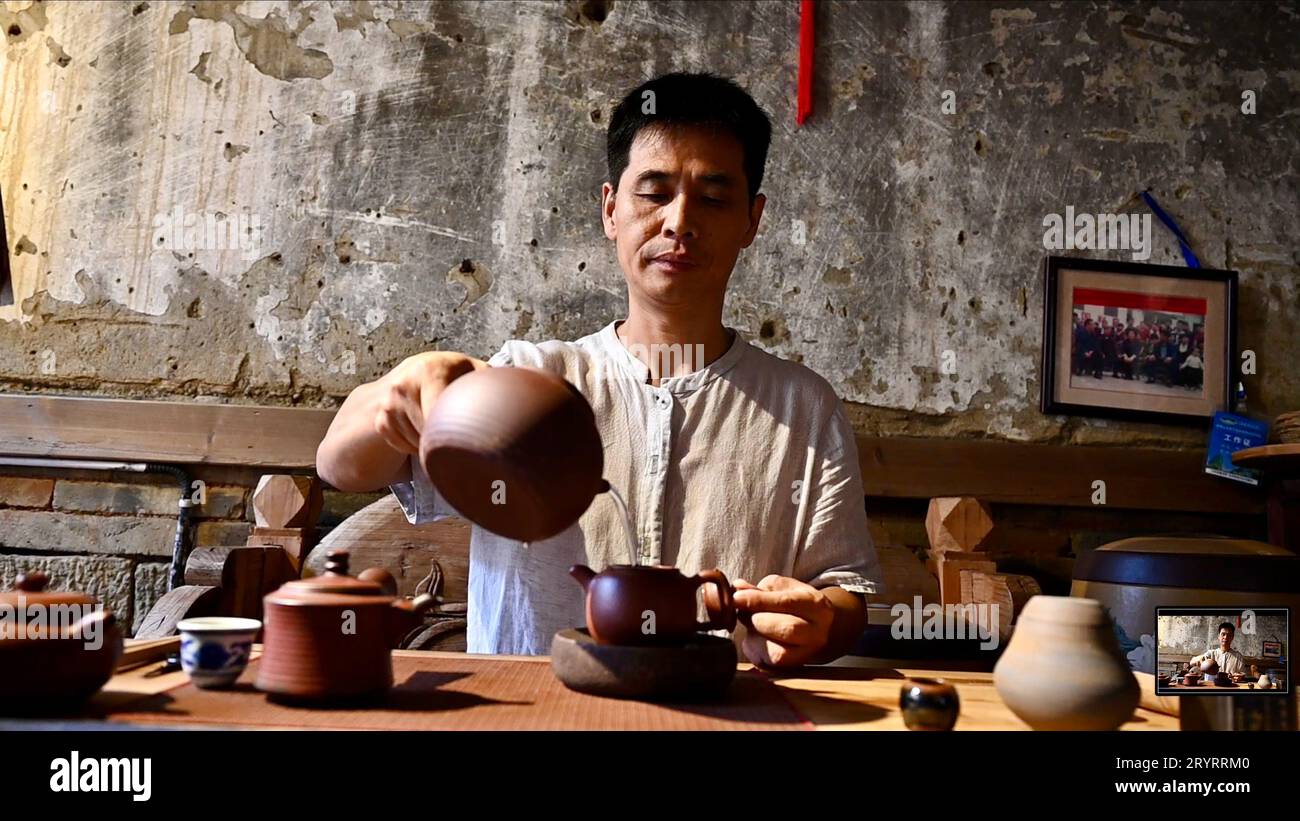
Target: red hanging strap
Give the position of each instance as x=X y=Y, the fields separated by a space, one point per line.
x=805 y=60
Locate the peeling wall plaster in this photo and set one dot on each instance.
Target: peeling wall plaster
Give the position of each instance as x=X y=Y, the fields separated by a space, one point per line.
x=272 y=201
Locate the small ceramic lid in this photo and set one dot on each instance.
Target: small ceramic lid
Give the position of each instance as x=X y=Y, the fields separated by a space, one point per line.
x=327 y=588
x=29 y=589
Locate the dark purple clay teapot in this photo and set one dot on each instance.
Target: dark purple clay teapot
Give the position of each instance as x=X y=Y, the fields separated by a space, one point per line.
x=649 y=605
x=515 y=451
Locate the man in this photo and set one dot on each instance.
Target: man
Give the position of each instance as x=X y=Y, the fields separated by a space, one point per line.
x=729 y=457
x=1160 y=361
x=1229 y=660
x=1128 y=355
x=1098 y=361
x=1087 y=351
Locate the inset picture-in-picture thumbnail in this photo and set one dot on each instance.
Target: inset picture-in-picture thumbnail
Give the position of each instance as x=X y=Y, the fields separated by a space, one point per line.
x=1204 y=651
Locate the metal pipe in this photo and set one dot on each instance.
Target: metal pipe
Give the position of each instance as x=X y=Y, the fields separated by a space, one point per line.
x=71 y=464
x=180 y=547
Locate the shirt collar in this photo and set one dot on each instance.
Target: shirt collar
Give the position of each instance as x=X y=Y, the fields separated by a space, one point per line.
x=679 y=385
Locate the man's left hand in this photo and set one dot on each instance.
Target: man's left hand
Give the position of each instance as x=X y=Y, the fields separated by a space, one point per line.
x=788 y=621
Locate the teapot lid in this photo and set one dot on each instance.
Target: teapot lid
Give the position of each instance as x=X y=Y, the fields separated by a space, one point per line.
x=335 y=580
x=29 y=589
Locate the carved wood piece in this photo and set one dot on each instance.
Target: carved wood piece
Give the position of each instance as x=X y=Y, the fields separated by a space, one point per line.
x=185 y=602
x=1008 y=591
x=244 y=575
x=379 y=535
x=950 y=564
x=957 y=523
x=284 y=500
x=291 y=541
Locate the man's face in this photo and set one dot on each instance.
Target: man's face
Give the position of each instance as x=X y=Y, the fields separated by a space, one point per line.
x=681 y=215
x=1225 y=638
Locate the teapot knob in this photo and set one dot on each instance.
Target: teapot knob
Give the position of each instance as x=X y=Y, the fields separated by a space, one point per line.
x=33 y=582
x=336 y=562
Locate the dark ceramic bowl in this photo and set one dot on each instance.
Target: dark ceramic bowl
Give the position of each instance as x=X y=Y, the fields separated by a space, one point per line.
x=929 y=704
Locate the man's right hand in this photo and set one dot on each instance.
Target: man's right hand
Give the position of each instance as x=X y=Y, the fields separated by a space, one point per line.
x=407 y=392
x=371 y=438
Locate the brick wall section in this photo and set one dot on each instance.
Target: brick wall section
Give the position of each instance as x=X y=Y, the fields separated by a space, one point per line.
x=18 y=491
x=112 y=536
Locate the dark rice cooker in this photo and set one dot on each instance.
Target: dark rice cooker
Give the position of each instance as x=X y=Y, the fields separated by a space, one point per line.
x=1132 y=577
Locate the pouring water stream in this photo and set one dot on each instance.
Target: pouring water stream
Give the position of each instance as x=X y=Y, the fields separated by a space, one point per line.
x=627 y=524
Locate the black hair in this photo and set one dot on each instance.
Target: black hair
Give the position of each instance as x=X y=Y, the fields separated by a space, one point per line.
x=1228 y=625
x=681 y=99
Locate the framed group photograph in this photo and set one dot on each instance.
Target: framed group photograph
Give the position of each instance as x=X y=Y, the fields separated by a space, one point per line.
x=1140 y=342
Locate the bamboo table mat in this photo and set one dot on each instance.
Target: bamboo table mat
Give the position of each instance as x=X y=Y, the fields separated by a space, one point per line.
x=462 y=692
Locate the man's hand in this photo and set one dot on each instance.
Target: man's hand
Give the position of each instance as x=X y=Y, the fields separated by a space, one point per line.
x=788 y=621
x=407 y=392
x=370 y=440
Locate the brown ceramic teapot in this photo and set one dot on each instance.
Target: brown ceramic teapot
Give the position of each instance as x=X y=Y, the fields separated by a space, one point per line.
x=59 y=661
x=514 y=450
x=642 y=605
x=1209 y=666
x=329 y=637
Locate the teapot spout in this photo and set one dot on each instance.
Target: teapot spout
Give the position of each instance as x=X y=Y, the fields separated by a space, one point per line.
x=405 y=615
x=583 y=574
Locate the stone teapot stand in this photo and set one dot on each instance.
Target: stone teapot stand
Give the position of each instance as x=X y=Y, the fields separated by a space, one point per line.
x=702 y=669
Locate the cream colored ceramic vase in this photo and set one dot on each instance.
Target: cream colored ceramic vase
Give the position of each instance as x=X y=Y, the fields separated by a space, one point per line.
x=1063 y=670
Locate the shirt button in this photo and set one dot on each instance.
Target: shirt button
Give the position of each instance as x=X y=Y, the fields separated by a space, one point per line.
x=664 y=401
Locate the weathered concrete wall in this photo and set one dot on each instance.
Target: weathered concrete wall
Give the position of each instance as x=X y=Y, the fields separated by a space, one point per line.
x=407 y=176
x=1192 y=635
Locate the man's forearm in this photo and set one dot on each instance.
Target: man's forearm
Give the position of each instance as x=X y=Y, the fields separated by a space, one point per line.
x=353 y=456
x=848 y=625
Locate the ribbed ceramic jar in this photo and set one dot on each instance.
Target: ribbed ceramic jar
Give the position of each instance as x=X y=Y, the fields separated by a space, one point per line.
x=1063 y=670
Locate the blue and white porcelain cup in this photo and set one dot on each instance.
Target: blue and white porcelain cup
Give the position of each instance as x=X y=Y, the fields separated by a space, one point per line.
x=214 y=649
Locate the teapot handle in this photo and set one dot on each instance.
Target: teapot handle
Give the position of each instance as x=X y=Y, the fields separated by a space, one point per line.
x=725 y=619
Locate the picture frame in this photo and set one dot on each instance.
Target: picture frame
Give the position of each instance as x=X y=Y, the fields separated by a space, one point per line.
x=1178 y=366
x=1272 y=649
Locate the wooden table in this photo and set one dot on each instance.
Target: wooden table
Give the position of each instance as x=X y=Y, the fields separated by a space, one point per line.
x=832 y=698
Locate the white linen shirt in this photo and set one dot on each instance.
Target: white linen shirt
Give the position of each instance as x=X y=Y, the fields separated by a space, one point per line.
x=748 y=465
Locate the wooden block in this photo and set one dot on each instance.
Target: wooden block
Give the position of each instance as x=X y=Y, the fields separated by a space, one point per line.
x=282 y=500
x=244 y=574
x=957 y=523
x=1008 y=591
x=291 y=540
x=186 y=601
x=950 y=565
